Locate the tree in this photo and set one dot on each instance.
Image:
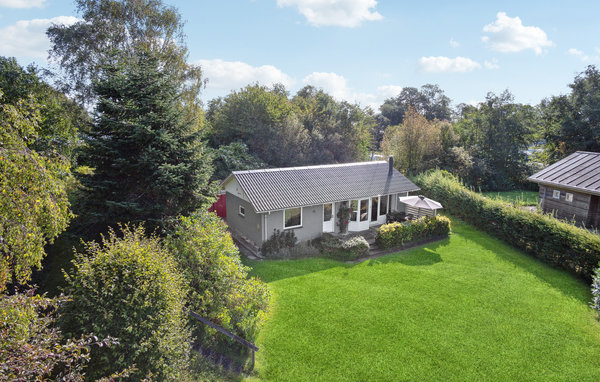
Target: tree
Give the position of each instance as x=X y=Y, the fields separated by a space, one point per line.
x=149 y=161
x=572 y=122
x=60 y=118
x=265 y=120
x=33 y=202
x=234 y=157
x=127 y=26
x=128 y=287
x=219 y=286
x=497 y=134
x=339 y=131
x=430 y=101
x=415 y=143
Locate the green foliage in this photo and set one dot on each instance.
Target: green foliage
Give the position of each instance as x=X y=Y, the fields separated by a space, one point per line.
x=549 y=239
x=60 y=119
x=234 y=157
x=496 y=134
x=32 y=347
x=518 y=197
x=218 y=284
x=399 y=234
x=265 y=120
x=339 y=132
x=279 y=241
x=33 y=201
x=129 y=27
x=596 y=290
x=430 y=101
x=572 y=122
x=149 y=161
x=312 y=128
x=129 y=287
x=344 y=249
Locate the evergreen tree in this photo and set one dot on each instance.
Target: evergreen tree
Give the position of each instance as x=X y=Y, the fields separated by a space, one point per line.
x=148 y=158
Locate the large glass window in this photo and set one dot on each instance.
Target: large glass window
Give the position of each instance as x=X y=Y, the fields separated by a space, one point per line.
x=354 y=210
x=384 y=205
x=292 y=218
x=364 y=208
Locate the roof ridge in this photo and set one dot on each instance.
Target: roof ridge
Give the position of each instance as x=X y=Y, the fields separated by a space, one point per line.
x=307 y=167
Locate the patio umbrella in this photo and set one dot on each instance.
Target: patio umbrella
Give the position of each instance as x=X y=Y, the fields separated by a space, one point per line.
x=419 y=201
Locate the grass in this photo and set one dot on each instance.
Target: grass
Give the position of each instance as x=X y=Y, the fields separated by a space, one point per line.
x=519 y=197
x=466 y=308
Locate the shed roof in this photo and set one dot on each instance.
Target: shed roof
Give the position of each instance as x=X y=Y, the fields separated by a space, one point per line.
x=579 y=171
x=280 y=188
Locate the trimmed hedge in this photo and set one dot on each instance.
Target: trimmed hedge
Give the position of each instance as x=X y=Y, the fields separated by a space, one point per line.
x=398 y=234
x=545 y=237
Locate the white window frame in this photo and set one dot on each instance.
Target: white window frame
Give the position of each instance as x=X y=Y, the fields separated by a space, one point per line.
x=569 y=197
x=242 y=210
x=387 y=204
x=556 y=194
x=296 y=226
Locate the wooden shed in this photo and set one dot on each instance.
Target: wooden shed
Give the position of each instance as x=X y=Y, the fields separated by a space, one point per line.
x=570 y=188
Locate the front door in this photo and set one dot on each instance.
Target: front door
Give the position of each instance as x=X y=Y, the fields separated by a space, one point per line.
x=328 y=221
x=364 y=212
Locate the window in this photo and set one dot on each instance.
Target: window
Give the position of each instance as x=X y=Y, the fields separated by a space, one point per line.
x=354 y=210
x=364 y=208
x=242 y=211
x=384 y=205
x=292 y=218
x=569 y=197
x=374 y=208
x=556 y=194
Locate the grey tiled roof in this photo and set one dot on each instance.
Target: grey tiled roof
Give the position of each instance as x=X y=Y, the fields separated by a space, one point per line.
x=276 y=189
x=579 y=171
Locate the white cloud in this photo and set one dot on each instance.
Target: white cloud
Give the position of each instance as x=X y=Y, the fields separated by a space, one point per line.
x=454 y=43
x=508 y=35
x=27 y=38
x=583 y=56
x=493 y=64
x=337 y=86
x=343 y=13
x=441 y=64
x=388 y=91
x=230 y=75
x=22 y=3
x=332 y=83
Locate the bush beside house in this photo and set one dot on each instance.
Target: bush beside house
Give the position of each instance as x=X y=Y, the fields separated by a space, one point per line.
x=551 y=240
x=349 y=249
x=398 y=234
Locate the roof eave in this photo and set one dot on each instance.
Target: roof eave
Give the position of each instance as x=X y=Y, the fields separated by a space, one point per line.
x=559 y=185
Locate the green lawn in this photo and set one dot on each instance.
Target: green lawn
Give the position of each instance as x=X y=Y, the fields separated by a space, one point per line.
x=466 y=308
x=520 y=197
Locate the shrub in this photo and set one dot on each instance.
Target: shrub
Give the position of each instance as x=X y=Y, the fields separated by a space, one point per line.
x=550 y=240
x=280 y=240
x=596 y=290
x=219 y=287
x=128 y=287
x=337 y=248
x=398 y=234
x=32 y=348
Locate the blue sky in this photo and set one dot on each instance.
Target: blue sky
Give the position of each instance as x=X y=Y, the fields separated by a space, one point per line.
x=363 y=50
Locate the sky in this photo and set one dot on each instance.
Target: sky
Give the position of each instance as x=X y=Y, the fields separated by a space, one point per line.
x=362 y=51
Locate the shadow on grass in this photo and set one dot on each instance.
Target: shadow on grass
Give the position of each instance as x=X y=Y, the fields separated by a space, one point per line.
x=274 y=270
x=557 y=278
